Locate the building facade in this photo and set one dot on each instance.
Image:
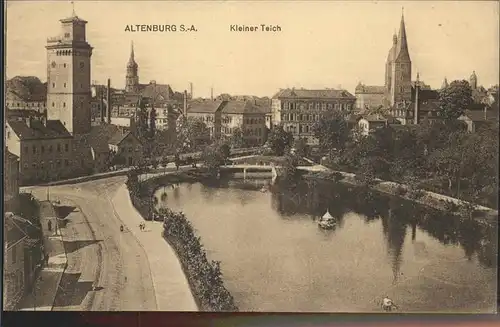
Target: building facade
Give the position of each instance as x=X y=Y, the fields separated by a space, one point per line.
x=299 y=109
x=11 y=181
x=210 y=113
x=249 y=116
x=127 y=148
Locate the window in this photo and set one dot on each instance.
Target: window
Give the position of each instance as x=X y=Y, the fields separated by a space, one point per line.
x=64 y=67
x=66 y=162
x=8 y=134
x=58 y=163
x=66 y=147
x=25 y=166
x=53 y=84
x=34 y=149
x=50 y=148
x=42 y=149
x=66 y=34
x=64 y=104
x=64 y=83
x=34 y=165
x=58 y=147
x=53 y=105
x=130 y=149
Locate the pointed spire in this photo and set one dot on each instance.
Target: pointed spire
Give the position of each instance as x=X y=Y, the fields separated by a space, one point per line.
x=131 y=60
x=402 y=46
x=418 y=77
x=445 y=83
x=73 y=13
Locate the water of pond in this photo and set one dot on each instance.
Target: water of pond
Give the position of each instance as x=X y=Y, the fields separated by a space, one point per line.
x=275 y=258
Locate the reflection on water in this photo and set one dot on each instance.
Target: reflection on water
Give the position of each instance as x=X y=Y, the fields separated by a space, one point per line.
x=275 y=258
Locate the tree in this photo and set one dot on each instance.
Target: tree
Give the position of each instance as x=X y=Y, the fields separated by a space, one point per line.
x=190 y=131
x=302 y=149
x=455 y=99
x=236 y=140
x=215 y=155
x=332 y=131
x=290 y=167
x=279 y=140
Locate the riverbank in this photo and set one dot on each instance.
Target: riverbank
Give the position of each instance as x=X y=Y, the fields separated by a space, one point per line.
x=437 y=201
x=204 y=277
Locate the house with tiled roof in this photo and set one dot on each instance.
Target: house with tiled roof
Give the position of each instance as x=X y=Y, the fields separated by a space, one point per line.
x=209 y=112
x=26 y=93
x=369 y=96
x=476 y=119
x=247 y=115
x=299 y=109
x=45 y=149
x=20 y=237
x=126 y=147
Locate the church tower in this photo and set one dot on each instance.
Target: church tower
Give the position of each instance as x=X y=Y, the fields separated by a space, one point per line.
x=132 y=78
x=68 y=76
x=401 y=70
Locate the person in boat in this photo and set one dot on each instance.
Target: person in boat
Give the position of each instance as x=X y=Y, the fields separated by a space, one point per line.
x=388 y=304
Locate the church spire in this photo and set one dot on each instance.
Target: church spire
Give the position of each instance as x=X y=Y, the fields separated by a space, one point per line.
x=445 y=83
x=402 y=46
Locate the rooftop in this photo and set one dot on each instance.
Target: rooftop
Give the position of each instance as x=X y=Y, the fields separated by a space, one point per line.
x=245 y=107
x=313 y=94
x=37 y=129
x=204 y=106
x=27 y=88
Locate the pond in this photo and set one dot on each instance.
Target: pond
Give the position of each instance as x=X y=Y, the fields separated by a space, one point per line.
x=275 y=258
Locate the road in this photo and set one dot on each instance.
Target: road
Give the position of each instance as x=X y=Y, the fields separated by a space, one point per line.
x=98 y=253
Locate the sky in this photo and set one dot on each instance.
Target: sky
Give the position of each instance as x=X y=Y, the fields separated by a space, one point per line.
x=322 y=44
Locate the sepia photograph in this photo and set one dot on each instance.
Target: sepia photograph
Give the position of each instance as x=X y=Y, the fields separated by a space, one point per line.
x=251 y=156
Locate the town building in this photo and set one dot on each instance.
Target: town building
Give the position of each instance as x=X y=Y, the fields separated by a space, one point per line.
x=26 y=93
x=11 y=181
x=249 y=116
x=126 y=148
x=299 y=109
x=368 y=123
x=44 y=147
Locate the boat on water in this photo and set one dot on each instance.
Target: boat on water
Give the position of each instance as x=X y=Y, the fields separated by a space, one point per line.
x=327 y=221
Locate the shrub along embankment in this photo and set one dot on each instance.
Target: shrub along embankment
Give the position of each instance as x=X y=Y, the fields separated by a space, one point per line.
x=204 y=277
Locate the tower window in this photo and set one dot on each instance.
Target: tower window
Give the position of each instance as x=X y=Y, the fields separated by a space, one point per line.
x=53 y=84
x=64 y=104
x=66 y=34
x=53 y=104
x=64 y=83
x=64 y=65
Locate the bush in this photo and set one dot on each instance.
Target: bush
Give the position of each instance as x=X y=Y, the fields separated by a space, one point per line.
x=205 y=277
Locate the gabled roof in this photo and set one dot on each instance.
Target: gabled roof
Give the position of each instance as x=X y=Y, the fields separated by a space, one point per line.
x=374 y=118
x=204 y=106
x=100 y=135
x=313 y=94
x=158 y=92
x=119 y=136
x=53 y=129
x=244 y=107
x=27 y=88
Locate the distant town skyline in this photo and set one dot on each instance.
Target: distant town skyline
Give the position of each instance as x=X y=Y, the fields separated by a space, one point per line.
x=321 y=44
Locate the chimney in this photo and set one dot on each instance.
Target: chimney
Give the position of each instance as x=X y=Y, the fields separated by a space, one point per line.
x=417 y=104
x=485 y=112
x=212 y=93
x=191 y=89
x=185 y=104
x=108 y=99
x=101 y=106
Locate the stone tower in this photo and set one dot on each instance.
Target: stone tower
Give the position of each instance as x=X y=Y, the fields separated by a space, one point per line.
x=473 y=80
x=388 y=64
x=400 y=91
x=132 y=78
x=68 y=76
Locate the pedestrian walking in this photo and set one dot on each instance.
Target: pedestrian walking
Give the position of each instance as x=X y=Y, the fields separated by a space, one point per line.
x=49 y=225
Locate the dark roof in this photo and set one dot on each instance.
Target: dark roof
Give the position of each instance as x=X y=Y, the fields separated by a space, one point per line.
x=477 y=115
x=371 y=89
x=23 y=113
x=124 y=99
x=27 y=88
x=100 y=135
x=425 y=94
x=313 y=94
x=373 y=118
x=159 y=92
x=204 y=106
x=53 y=129
x=118 y=137
x=245 y=107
